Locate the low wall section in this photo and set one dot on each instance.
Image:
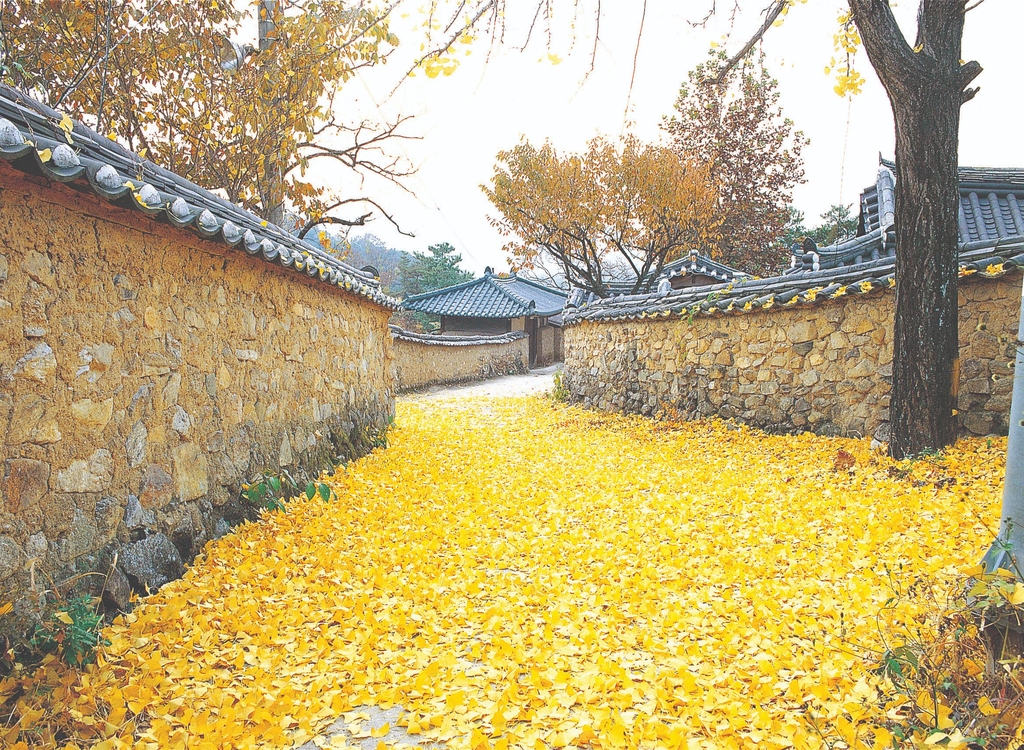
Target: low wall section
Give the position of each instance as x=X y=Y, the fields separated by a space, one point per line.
x=147 y=372
x=825 y=368
x=421 y=360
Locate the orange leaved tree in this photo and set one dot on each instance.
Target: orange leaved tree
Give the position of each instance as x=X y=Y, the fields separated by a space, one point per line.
x=630 y=204
x=169 y=79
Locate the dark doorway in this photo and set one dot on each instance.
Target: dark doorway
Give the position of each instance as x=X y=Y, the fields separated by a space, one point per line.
x=531 y=330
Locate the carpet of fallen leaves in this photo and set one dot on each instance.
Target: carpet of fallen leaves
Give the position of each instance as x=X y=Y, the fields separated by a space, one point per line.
x=517 y=573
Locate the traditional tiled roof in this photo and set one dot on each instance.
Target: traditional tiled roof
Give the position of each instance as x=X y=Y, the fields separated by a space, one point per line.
x=691 y=263
x=807 y=288
x=33 y=141
x=434 y=339
x=991 y=203
x=695 y=263
x=490 y=296
x=991 y=210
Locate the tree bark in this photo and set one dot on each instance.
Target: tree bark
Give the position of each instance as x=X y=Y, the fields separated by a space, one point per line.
x=926 y=85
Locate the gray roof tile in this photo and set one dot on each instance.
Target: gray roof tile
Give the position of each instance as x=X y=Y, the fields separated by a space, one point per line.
x=90 y=162
x=490 y=296
x=434 y=339
x=991 y=260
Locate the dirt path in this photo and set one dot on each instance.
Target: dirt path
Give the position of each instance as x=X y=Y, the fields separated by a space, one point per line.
x=535 y=381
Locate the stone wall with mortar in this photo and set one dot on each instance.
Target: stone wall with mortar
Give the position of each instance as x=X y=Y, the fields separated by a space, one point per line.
x=420 y=362
x=145 y=373
x=825 y=368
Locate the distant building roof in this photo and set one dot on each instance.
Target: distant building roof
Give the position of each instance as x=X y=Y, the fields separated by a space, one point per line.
x=693 y=263
x=991 y=211
x=32 y=141
x=490 y=296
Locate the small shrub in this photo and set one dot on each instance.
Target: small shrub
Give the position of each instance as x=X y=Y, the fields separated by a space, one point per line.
x=947 y=678
x=273 y=491
x=560 y=392
x=72 y=631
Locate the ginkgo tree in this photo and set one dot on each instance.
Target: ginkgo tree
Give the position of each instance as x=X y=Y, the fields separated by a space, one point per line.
x=171 y=80
x=633 y=203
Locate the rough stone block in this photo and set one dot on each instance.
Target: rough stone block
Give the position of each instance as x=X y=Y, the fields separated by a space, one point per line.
x=156 y=488
x=93 y=474
x=803 y=330
x=10 y=557
x=151 y=562
x=38 y=364
x=26 y=482
x=81 y=537
x=117 y=591
x=191 y=472
x=862 y=369
x=92 y=415
x=181 y=422
x=135 y=444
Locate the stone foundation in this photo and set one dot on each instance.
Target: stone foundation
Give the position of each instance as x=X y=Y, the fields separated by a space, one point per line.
x=146 y=374
x=425 y=360
x=825 y=368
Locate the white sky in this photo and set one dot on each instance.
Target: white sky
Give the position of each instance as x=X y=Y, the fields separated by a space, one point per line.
x=492 y=101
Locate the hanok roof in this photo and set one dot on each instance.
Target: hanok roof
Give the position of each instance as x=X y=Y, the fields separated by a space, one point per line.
x=807 y=288
x=32 y=141
x=863 y=265
x=693 y=263
x=991 y=211
x=491 y=296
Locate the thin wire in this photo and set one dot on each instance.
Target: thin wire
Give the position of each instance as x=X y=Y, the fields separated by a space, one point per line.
x=120 y=41
x=632 y=77
x=846 y=141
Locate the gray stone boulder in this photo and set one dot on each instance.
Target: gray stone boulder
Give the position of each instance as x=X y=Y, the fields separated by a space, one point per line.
x=151 y=562
x=117 y=592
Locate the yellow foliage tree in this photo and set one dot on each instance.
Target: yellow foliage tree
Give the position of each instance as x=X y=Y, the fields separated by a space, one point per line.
x=630 y=203
x=167 y=81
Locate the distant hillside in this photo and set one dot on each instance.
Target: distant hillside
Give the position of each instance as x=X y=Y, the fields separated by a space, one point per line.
x=370 y=250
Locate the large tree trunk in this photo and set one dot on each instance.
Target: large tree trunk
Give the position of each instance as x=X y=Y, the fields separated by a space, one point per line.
x=925 y=345
x=926 y=85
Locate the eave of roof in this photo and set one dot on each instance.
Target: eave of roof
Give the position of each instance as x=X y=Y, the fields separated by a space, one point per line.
x=85 y=160
x=489 y=297
x=432 y=339
x=983 y=260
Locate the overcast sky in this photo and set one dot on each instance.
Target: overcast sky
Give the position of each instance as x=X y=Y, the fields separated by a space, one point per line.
x=499 y=96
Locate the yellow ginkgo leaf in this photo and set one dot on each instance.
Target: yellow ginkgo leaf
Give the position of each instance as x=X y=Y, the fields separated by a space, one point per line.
x=986 y=707
x=1017 y=597
x=64 y=617
x=44 y=155
x=381 y=731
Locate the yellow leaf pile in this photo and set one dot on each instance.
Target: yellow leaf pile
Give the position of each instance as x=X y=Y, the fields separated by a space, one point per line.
x=517 y=573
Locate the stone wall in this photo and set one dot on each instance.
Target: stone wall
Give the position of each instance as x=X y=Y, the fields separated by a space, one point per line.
x=424 y=360
x=146 y=373
x=825 y=368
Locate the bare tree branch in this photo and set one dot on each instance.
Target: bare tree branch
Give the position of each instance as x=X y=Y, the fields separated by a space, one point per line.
x=772 y=15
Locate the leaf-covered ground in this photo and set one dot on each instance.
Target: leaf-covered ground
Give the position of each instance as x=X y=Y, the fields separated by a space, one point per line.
x=517 y=573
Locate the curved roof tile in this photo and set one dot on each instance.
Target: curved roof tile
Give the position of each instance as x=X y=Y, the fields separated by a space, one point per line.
x=32 y=142
x=490 y=296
